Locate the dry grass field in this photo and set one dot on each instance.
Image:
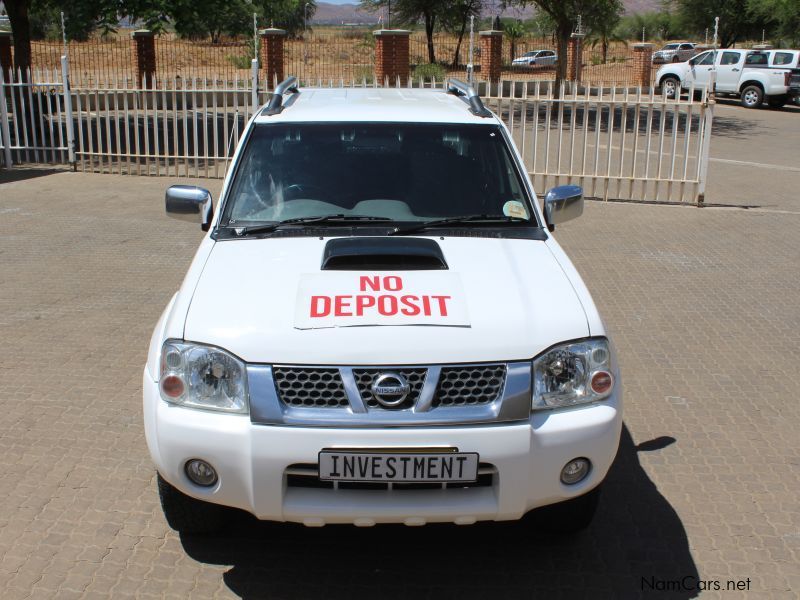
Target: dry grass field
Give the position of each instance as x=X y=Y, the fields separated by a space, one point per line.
x=325 y=54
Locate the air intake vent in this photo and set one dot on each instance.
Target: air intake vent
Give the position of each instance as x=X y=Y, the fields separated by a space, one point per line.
x=382 y=253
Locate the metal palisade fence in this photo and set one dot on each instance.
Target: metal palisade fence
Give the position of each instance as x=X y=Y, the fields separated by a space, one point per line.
x=36 y=119
x=618 y=143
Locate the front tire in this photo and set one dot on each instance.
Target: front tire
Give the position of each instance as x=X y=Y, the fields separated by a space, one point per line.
x=752 y=96
x=185 y=514
x=570 y=516
x=670 y=86
x=777 y=101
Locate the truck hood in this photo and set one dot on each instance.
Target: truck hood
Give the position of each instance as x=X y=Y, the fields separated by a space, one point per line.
x=507 y=300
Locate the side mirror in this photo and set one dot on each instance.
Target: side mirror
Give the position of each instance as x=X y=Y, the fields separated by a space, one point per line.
x=563 y=203
x=190 y=203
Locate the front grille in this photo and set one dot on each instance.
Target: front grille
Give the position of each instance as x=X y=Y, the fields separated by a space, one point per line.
x=365 y=377
x=310 y=387
x=462 y=386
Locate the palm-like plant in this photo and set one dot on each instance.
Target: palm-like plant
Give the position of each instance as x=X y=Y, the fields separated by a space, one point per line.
x=603 y=34
x=514 y=31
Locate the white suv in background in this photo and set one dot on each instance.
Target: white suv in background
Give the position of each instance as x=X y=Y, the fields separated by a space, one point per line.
x=674 y=52
x=746 y=74
x=379 y=327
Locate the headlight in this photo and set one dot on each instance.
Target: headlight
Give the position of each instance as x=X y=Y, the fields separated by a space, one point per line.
x=573 y=373
x=202 y=377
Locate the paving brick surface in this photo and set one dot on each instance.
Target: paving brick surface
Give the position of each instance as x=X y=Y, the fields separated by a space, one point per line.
x=703 y=304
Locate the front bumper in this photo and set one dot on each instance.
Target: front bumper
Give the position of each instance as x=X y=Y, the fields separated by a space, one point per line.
x=252 y=461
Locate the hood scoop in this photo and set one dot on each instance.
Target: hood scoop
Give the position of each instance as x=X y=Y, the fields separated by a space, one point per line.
x=382 y=253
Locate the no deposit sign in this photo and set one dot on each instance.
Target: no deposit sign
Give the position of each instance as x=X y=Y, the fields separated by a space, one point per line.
x=349 y=299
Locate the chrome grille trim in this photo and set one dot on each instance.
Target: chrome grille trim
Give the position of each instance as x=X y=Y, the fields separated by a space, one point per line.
x=512 y=402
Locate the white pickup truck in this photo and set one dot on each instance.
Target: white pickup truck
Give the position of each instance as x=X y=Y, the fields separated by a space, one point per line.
x=379 y=327
x=746 y=74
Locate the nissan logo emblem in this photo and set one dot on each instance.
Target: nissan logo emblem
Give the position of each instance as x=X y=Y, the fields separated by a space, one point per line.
x=390 y=389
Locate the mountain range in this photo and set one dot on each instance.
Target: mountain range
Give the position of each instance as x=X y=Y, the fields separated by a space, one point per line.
x=335 y=14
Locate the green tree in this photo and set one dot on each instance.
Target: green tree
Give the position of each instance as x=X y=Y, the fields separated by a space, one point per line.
x=409 y=12
x=564 y=14
x=662 y=25
x=602 y=30
x=212 y=18
x=287 y=14
x=513 y=31
x=736 y=22
x=782 y=16
x=457 y=19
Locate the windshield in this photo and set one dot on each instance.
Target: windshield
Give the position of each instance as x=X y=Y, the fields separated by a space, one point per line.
x=404 y=172
x=670 y=47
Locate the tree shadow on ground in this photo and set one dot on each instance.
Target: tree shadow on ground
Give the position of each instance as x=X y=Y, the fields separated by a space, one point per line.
x=23 y=173
x=635 y=546
x=742 y=126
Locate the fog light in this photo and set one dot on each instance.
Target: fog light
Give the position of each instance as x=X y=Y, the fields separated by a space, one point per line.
x=575 y=470
x=200 y=472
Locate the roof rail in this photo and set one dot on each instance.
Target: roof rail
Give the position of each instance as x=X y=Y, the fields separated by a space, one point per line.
x=275 y=105
x=470 y=96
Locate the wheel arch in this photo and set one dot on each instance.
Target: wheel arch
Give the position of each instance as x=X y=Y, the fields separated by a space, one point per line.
x=754 y=82
x=669 y=76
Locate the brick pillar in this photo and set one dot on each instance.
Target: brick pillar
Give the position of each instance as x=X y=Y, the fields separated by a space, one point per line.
x=391 y=55
x=5 y=54
x=272 y=54
x=575 y=56
x=491 y=54
x=642 y=64
x=144 y=55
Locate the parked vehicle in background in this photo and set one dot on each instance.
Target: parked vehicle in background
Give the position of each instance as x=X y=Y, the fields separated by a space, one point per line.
x=536 y=58
x=745 y=74
x=782 y=58
x=674 y=52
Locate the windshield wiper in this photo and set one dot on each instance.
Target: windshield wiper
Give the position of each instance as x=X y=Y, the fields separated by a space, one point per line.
x=468 y=220
x=266 y=228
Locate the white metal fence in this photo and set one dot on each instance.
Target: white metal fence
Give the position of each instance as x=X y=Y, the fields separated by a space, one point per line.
x=616 y=143
x=36 y=121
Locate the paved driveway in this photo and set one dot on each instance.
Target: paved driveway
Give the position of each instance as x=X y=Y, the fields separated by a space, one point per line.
x=755 y=157
x=704 y=307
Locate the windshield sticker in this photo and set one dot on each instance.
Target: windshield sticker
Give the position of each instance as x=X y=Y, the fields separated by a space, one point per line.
x=348 y=299
x=514 y=208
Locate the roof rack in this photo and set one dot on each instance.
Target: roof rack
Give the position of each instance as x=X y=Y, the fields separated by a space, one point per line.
x=470 y=96
x=275 y=105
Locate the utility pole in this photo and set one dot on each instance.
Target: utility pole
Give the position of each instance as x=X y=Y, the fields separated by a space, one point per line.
x=716 y=31
x=470 y=67
x=305 y=34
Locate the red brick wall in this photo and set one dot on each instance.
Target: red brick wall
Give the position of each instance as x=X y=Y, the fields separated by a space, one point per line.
x=491 y=54
x=272 y=55
x=144 y=57
x=574 y=58
x=642 y=63
x=391 y=56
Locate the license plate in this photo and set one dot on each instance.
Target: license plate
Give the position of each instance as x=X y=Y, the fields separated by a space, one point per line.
x=397 y=466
